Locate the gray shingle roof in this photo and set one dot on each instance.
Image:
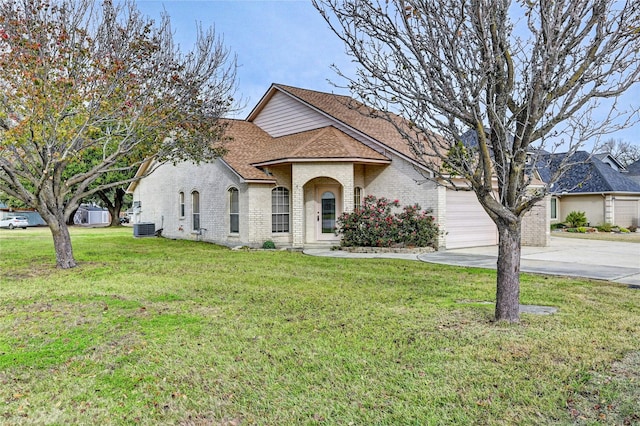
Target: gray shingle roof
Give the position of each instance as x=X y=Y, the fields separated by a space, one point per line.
x=633 y=169
x=587 y=174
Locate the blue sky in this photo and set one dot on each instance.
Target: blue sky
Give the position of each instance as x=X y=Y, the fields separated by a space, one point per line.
x=280 y=41
x=284 y=42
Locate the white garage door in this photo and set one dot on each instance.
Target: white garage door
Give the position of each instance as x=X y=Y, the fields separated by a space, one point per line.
x=468 y=225
x=626 y=212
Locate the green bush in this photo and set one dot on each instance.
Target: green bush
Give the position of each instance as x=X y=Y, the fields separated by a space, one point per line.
x=624 y=230
x=605 y=227
x=268 y=245
x=582 y=229
x=576 y=219
x=374 y=225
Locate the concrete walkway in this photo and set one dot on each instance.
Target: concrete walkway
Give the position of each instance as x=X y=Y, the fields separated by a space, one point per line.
x=603 y=260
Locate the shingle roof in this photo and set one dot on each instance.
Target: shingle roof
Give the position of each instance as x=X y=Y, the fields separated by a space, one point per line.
x=634 y=168
x=356 y=115
x=588 y=174
x=247 y=141
x=324 y=143
x=251 y=146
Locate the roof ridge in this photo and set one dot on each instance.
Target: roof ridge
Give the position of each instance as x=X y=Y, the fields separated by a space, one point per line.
x=310 y=141
x=287 y=86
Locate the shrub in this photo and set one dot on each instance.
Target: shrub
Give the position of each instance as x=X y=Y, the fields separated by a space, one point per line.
x=633 y=228
x=576 y=219
x=582 y=229
x=374 y=225
x=624 y=230
x=605 y=227
x=268 y=245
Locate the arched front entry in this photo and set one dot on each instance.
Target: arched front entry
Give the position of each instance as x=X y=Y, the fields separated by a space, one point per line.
x=323 y=201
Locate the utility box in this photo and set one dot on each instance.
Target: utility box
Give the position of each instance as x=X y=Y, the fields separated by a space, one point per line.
x=144 y=229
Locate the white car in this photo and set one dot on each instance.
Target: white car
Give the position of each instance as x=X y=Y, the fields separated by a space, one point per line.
x=14 y=222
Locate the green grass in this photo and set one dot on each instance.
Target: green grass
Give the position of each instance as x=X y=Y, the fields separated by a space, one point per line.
x=153 y=331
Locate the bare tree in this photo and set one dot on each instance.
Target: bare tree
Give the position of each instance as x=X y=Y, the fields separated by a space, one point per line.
x=517 y=76
x=623 y=151
x=91 y=90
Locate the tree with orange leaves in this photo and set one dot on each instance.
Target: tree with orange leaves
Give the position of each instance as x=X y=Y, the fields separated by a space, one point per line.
x=90 y=91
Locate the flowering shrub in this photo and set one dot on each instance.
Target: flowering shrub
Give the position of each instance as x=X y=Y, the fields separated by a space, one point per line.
x=374 y=225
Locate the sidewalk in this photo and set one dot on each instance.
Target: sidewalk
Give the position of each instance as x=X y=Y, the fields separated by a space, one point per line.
x=603 y=260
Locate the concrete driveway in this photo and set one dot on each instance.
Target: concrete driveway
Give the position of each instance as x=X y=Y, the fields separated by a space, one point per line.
x=603 y=260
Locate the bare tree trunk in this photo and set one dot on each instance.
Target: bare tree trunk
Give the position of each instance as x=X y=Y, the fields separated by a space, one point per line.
x=508 y=289
x=61 y=238
x=71 y=218
x=114 y=206
x=62 y=245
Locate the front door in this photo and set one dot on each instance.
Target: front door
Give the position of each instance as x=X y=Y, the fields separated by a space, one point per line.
x=327 y=202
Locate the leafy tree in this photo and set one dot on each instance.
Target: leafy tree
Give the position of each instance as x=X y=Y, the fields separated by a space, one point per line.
x=111 y=197
x=519 y=76
x=90 y=91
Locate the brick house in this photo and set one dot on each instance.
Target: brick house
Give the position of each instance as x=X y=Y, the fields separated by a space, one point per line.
x=299 y=160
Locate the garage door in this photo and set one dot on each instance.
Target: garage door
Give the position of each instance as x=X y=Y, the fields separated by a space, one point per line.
x=626 y=212
x=467 y=224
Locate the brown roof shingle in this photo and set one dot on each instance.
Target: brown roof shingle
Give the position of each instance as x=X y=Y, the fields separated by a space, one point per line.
x=356 y=115
x=250 y=146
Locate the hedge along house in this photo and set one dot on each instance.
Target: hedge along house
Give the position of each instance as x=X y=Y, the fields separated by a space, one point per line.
x=299 y=160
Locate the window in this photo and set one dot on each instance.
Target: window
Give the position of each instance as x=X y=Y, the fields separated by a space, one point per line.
x=195 y=208
x=357 y=197
x=234 y=210
x=181 y=200
x=280 y=210
x=554 y=208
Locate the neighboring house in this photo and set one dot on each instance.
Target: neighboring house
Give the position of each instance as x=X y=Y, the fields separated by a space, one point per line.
x=32 y=216
x=299 y=160
x=595 y=184
x=91 y=215
x=633 y=171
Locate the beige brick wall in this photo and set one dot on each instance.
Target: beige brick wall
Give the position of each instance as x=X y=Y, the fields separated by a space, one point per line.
x=159 y=194
x=259 y=210
x=401 y=181
x=306 y=176
x=536 y=224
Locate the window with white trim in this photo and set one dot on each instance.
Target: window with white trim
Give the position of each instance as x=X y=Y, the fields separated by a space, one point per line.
x=195 y=209
x=234 y=210
x=280 y=209
x=554 y=208
x=181 y=204
x=357 y=197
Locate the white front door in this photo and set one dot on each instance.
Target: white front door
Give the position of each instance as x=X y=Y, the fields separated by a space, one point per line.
x=328 y=208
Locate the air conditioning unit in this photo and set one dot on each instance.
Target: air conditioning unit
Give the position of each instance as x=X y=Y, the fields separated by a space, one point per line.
x=144 y=229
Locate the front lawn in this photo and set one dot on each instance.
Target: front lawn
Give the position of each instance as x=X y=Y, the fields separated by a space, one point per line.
x=153 y=331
